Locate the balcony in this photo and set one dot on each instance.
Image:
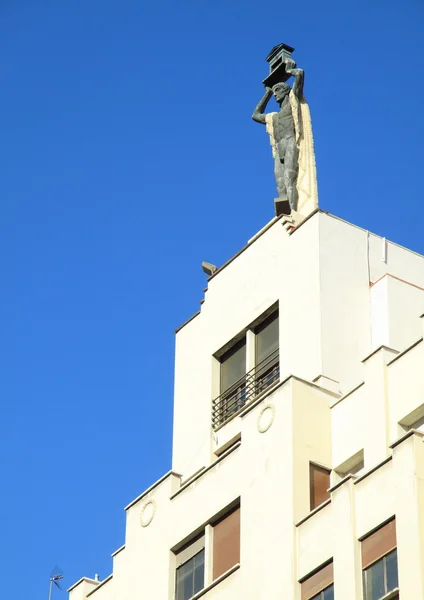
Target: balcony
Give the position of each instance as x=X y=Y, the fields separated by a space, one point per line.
x=247 y=388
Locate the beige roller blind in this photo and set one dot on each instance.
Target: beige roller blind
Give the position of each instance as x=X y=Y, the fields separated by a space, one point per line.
x=317 y=582
x=226 y=543
x=378 y=544
x=319 y=484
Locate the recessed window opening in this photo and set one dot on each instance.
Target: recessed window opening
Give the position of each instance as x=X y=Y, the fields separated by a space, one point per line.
x=379 y=562
x=196 y=569
x=190 y=573
x=319 y=482
x=381 y=577
x=267 y=353
x=248 y=368
x=319 y=586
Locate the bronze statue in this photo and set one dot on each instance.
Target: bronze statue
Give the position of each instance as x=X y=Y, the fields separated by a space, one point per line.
x=283 y=130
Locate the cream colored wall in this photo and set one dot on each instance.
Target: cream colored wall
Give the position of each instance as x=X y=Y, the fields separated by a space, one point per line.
x=405 y=377
x=328 y=327
x=345 y=302
x=275 y=267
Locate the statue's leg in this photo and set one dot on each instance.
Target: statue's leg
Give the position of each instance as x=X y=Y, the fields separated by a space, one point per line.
x=279 y=178
x=291 y=171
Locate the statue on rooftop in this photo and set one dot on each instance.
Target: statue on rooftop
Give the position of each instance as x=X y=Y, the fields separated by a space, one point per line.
x=290 y=135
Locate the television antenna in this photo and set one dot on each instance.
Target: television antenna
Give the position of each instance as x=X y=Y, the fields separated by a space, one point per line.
x=55 y=576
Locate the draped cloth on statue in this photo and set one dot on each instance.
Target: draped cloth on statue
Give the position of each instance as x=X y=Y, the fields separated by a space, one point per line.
x=307 y=176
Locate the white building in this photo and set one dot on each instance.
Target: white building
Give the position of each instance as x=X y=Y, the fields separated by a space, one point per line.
x=298 y=454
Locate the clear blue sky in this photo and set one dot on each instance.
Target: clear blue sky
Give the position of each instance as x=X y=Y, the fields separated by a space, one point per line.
x=128 y=156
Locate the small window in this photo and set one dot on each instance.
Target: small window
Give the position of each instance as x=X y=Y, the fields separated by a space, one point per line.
x=190 y=574
x=266 y=338
x=381 y=577
x=319 y=585
x=233 y=366
x=267 y=366
x=327 y=594
x=319 y=482
x=379 y=562
x=226 y=543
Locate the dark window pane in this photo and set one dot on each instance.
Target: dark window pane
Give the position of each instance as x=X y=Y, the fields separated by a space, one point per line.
x=185 y=580
x=190 y=577
x=391 y=571
x=233 y=366
x=266 y=339
x=317 y=597
x=199 y=572
x=374 y=581
x=329 y=593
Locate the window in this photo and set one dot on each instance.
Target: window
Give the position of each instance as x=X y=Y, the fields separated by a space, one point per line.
x=222 y=538
x=379 y=562
x=233 y=379
x=327 y=594
x=190 y=574
x=381 y=577
x=319 y=585
x=248 y=368
x=267 y=353
x=319 y=482
x=226 y=543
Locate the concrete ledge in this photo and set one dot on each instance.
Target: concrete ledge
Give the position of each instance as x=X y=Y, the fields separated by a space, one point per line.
x=405 y=351
x=205 y=470
x=187 y=322
x=341 y=482
x=152 y=487
x=313 y=512
x=348 y=394
x=216 y=582
x=374 y=468
x=407 y=435
x=382 y=347
x=100 y=585
x=88 y=579
x=118 y=551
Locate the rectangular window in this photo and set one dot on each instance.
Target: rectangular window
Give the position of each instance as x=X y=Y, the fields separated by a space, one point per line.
x=226 y=543
x=319 y=586
x=267 y=364
x=246 y=374
x=381 y=577
x=379 y=562
x=190 y=574
x=319 y=482
x=327 y=594
x=233 y=380
x=223 y=540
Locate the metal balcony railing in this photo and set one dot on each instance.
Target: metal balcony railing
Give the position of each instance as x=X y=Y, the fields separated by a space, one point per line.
x=245 y=389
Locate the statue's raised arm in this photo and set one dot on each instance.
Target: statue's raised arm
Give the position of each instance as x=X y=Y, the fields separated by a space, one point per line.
x=299 y=78
x=259 y=112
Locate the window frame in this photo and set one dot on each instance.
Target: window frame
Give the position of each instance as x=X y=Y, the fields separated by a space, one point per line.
x=228 y=402
x=203 y=541
x=320 y=468
x=375 y=547
x=365 y=571
x=184 y=562
x=317 y=582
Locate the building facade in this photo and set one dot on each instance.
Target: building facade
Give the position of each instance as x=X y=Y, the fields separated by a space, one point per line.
x=298 y=454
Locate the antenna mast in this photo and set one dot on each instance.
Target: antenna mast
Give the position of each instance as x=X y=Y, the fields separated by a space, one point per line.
x=54 y=580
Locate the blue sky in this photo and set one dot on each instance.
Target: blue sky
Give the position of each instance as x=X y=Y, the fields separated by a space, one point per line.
x=128 y=156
